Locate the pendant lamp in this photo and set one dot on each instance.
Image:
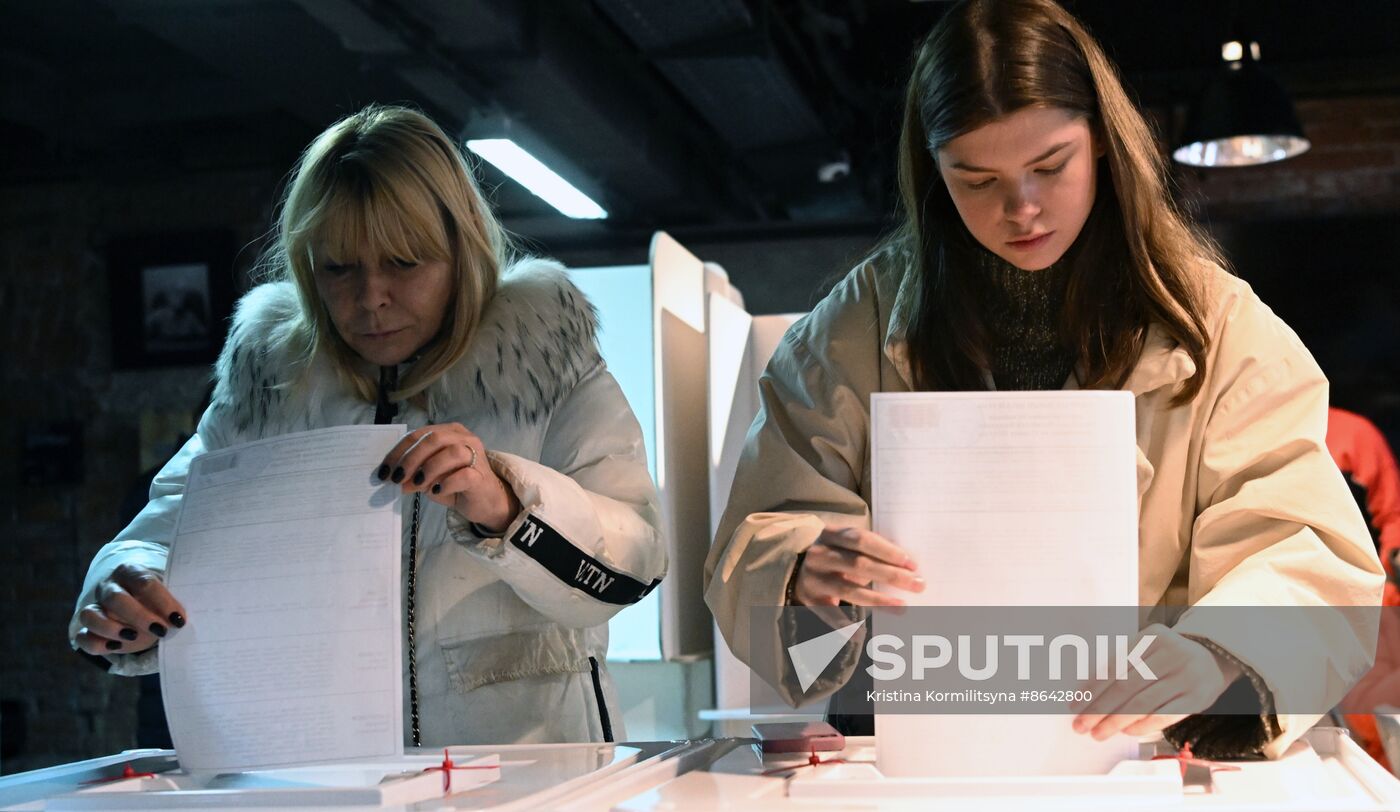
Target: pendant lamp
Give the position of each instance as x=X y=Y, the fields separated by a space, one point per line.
x=1243 y=118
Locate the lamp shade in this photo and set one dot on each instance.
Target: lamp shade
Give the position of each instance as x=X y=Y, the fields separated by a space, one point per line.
x=1243 y=118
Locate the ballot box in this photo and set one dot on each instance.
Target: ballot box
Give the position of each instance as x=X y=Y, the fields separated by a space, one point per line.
x=548 y=776
x=1325 y=770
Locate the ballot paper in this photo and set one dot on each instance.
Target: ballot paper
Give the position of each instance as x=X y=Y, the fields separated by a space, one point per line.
x=286 y=558
x=1006 y=499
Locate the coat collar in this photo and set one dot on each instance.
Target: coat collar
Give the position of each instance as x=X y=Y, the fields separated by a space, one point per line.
x=1162 y=363
x=896 y=348
x=536 y=339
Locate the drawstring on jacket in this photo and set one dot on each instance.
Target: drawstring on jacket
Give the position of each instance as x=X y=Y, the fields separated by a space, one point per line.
x=384 y=412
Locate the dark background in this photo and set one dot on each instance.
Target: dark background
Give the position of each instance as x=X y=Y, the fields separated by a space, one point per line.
x=144 y=120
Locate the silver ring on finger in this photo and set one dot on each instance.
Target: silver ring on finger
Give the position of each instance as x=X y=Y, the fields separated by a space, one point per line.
x=472 y=464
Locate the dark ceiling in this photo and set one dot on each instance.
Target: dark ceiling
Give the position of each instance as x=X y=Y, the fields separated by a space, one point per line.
x=671 y=113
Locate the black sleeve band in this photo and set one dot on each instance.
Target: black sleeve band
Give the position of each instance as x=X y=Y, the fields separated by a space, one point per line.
x=575 y=567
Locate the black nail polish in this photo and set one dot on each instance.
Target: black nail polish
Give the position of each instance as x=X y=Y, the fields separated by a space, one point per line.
x=418 y=478
x=177 y=620
x=437 y=488
x=158 y=630
x=127 y=634
x=398 y=475
x=113 y=645
x=383 y=472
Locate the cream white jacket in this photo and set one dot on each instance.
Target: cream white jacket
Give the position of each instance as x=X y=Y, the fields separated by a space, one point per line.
x=1240 y=503
x=511 y=632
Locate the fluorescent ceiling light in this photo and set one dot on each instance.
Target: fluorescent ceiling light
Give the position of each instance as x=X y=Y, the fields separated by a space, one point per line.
x=545 y=183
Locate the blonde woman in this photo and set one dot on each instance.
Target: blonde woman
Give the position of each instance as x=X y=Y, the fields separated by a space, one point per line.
x=394 y=299
x=1040 y=250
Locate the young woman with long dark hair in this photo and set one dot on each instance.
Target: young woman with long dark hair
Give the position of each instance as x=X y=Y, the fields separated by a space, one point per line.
x=1040 y=249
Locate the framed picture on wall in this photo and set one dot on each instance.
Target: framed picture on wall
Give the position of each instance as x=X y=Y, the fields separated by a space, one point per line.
x=171 y=295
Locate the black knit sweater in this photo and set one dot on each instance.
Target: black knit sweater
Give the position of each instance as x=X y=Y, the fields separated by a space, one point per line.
x=1022 y=310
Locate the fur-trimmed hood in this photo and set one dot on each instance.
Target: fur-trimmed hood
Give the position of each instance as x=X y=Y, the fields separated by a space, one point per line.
x=536 y=340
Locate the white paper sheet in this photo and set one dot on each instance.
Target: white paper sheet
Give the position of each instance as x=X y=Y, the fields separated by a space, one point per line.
x=1006 y=499
x=286 y=558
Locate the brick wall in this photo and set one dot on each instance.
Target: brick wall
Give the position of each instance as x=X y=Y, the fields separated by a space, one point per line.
x=1318 y=238
x=1352 y=168
x=57 y=366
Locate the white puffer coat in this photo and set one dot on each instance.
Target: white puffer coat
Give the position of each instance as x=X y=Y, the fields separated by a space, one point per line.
x=511 y=632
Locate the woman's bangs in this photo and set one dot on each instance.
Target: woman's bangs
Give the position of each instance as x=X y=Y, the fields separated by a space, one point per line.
x=372 y=219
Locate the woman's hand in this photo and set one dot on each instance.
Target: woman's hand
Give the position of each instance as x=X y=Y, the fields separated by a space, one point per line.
x=844 y=565
x=1189 y=678
x=133 y=611
x=448 y=464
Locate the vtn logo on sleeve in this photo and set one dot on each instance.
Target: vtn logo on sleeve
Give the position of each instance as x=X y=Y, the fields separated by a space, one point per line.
x=593 y=577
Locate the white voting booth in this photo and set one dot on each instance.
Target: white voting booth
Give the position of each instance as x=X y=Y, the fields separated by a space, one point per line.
x=740 y=346
x=687 y=355
x=654 y=338
x=690 y=372
x=707 y=353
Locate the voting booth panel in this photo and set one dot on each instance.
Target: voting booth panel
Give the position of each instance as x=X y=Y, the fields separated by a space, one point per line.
x=622 y=296
x=740 y=346
x=654 y=339
x=681 y=341
x=654 y=336
x=690 y=372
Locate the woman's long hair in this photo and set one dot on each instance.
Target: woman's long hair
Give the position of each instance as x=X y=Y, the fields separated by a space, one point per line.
x=1138 y=259
x=387 y=180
